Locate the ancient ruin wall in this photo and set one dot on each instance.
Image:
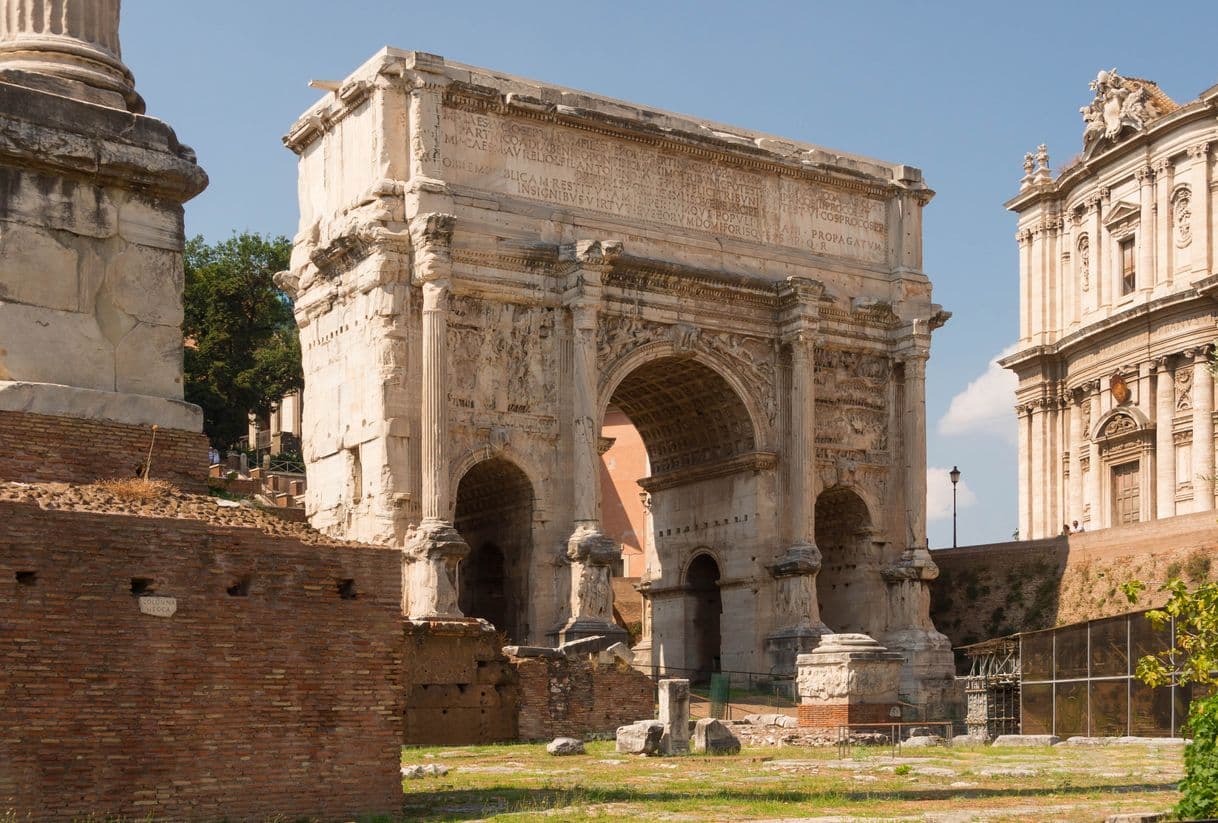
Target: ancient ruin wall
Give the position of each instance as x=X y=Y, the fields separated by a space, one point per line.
x=998 y=589
x=562 y=697
x=275 y=687
x=41 y=447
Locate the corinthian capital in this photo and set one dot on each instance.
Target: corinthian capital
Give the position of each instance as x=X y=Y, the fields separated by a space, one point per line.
x=431 y=236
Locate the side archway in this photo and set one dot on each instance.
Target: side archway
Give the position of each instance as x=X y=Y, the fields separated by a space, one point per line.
x=494 y=514
x=849 y=586
x=703 y=615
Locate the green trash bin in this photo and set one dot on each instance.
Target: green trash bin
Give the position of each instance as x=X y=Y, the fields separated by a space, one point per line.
x=720 y=690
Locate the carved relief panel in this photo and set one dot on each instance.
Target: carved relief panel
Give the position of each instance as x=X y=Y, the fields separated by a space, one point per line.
x=503 y=357
x=1184 y=389
x=852 y=407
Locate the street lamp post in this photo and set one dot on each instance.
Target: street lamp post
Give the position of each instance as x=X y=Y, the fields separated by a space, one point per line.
x=955 y=475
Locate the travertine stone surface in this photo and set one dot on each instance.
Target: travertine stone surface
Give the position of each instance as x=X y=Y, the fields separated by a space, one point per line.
x=849 y=668
x=673 y=710
x=90 y=223
x=755 y=306
x=1116 y=285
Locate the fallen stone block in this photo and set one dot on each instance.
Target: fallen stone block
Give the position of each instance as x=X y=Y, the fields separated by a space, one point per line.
x=1027 y=740
x=645 y=737
x=712 y=736
x=922 y=741
x=562 y=746
x=618 y=652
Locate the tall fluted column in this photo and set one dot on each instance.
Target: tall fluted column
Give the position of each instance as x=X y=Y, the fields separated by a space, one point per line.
x=1076 y=445
x=1165 y=448
x=1165 y=258
x=1193 y=233
x=1203 y=431
x=915 y=449
x=432 y=553
x=1024 y=415
x=1093 y=462
x=70 y=46
x=1145 y=240
x=589 y=552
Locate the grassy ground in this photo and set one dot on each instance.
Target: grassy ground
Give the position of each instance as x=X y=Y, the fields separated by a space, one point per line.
x=522 y=782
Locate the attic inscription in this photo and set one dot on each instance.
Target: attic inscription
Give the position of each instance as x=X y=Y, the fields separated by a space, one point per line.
x=568 y=168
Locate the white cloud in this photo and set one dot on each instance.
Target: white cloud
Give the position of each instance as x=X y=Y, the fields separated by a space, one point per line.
x=939 y=494
x=986 y=404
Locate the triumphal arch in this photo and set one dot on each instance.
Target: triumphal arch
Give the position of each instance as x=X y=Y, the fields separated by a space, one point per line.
x=486 y=264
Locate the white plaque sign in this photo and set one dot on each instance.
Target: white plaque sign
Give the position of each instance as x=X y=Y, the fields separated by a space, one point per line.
x=158 y=606
x=579 y=170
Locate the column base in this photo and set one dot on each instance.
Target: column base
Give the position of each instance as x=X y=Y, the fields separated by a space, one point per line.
x=429 y=571
x=784 y=645
x=929 y=672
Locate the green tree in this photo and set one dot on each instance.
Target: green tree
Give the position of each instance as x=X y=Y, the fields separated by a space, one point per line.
x=242 y=350
x=1192 y=659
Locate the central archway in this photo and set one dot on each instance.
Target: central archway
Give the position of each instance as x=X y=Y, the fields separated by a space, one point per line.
x=494 y=514
x=699 y=518
x=849 y=586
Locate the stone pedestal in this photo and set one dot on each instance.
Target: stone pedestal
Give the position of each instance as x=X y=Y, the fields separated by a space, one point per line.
x=928 y=675
x=850 y=678
x=91 y=238
x=797 y=609
x=674 y=714
x=429 y=571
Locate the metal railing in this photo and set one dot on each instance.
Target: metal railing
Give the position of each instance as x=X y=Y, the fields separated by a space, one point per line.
x=729 y=694
x=888 y=734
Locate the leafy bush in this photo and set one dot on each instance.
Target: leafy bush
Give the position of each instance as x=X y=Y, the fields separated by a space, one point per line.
x=1192 y=659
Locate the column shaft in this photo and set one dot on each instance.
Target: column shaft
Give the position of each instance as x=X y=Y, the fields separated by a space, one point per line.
x=1076 y=445
x=435 y=502
x=1025 y=473
x=915 y=449
x=1145 y=240
x=1165 y=449
x=801 y=445
x=1203 y=433
x=585 y=411
x=1164 y=257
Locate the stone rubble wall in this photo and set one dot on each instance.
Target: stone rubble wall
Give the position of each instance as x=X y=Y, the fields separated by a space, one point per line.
x=285 y=701
x=39 y=448
x=561 y=697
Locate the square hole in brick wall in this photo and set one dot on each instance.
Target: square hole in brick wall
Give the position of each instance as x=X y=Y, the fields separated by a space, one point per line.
x=27 y=578
x=346 y=589
x=240 y=588
x=141 y=585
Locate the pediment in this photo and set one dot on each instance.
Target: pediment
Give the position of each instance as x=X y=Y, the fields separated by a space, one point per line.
x=1121 y=214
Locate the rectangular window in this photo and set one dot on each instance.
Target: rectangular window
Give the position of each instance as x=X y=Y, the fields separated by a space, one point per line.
x=1129 y=274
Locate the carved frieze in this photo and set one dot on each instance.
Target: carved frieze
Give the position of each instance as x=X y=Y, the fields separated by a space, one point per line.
x=1119 y=425
x=852 y=405
x=515 y=351
x=753 y=358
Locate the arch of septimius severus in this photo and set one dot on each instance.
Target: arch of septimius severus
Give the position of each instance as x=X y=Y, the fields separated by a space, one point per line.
x=485 y=265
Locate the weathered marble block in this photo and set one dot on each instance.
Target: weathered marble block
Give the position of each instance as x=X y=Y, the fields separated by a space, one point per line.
x=849 y=678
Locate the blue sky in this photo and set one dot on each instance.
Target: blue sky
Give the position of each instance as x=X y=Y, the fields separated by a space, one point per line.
x=959 y=89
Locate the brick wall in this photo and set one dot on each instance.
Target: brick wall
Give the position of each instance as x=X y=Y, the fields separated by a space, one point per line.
x=562 y=697
x=41 y=448
x=832 y=715
x=284 y=701
x=460 y=689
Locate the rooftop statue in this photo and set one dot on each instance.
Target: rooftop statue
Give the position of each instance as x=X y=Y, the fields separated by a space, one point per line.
x=1120 y=103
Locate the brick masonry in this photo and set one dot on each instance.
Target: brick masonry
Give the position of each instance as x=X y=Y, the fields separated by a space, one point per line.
x=832 y=715
x=460 y=688
x=42 y=448
x=1001 y=588
x=284 y=701
x=561 y=697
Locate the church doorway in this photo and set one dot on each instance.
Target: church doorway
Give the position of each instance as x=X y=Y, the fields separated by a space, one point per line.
x=494 y=514
x=704 y=612
x=849 y=585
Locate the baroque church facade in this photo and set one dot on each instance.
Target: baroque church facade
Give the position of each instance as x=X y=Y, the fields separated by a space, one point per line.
x=1117 y=316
